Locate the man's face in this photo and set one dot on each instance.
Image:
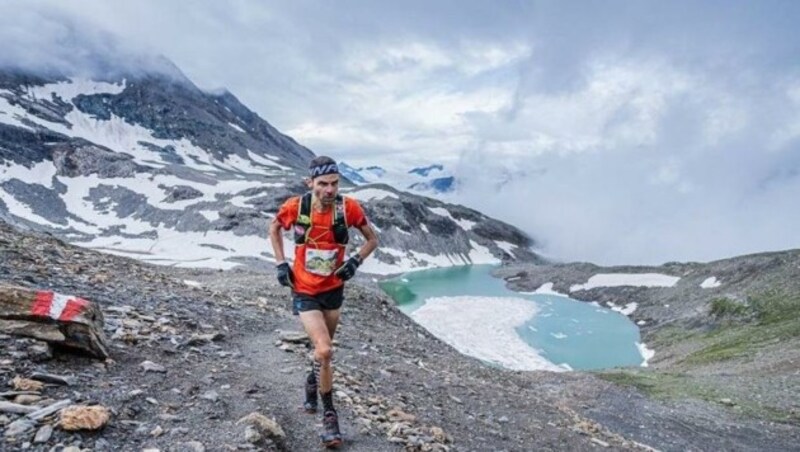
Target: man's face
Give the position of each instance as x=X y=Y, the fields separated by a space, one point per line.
x=325 y=188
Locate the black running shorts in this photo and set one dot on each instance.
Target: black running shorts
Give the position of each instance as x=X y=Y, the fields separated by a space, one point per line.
x=325 y=301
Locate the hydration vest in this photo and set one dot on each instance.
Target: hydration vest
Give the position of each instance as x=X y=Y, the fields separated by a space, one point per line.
x=302 y=225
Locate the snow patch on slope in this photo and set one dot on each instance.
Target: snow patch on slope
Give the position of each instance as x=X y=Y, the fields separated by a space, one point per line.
x=710 y=283
x=369 y=194
x=627 y=279
x=68 y=90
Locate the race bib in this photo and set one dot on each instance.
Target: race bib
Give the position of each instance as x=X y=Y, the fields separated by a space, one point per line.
x=320 y=262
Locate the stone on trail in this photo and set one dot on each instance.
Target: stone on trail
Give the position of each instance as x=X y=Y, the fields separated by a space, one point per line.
x=397 y=415
x=135 y=393
x=267 y=427
x=150 y=366
x=178 y=431
x=16 y=408
x=52 y=378
x=343 y=397
x=40 y=352
x=43 y=434
x=26 y=399
x=81 y=417
x=202 y=339
x=26 y=384
x=439 y=435
x=50 y=409
x=396 y=430
x=251 y=434
x=294 y=337
x=19 y=427
x=211 y=396
x=190 y=446
x=64 y=320
x=169 y=417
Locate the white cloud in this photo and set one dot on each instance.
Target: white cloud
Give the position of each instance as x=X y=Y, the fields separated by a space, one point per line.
x=789 y=131
x=628 y=131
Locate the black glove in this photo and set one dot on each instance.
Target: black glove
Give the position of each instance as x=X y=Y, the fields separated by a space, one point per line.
x=348 y=269
x=285 y=276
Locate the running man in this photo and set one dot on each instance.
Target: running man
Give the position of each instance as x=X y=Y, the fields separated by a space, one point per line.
x=320 y=220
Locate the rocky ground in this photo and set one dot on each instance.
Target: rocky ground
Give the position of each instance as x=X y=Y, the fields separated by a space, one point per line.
x=734 y=345
x=207 y=360
x=686 y=304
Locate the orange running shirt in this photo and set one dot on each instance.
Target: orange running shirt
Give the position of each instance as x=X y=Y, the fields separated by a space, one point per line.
x=320 y=250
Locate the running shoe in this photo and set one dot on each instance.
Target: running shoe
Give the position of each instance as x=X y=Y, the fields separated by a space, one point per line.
x=331 y=436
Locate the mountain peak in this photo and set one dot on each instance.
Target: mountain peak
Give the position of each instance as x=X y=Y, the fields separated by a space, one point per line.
x=425 y=171
x=151 y=168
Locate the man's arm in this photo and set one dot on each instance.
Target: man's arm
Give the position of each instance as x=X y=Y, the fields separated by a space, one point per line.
x=348 y=269
x=371 y=241
x=277 y=241
x=285 y=276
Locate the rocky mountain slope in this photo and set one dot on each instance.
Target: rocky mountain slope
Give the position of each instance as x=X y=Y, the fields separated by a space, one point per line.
x=432 y=180
x=725 y=332
x=151 y=167
x=194 y=352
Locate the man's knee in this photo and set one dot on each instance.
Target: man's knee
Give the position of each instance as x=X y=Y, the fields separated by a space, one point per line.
x=323 y=353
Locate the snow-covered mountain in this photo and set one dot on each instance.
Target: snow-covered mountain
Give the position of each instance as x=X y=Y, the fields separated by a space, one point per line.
x=432 y=180
x=151 y=167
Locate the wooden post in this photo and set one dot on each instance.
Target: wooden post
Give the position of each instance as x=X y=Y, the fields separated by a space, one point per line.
x=62 y=320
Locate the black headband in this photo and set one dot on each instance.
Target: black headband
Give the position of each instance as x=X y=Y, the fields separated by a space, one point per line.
x=323 y=169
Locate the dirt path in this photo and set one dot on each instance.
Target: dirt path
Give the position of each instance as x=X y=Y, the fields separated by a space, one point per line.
x=281 y=374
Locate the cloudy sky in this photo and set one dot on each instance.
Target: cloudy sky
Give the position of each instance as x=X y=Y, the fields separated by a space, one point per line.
x=610 y=131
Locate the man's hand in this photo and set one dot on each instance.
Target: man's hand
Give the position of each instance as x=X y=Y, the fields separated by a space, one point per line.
x=285 y=276
x=348 y=269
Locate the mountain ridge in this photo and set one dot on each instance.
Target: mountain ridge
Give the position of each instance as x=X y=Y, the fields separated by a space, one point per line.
x=118 y=165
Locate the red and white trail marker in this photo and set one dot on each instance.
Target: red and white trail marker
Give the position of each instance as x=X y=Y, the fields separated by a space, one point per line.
x=57 y=306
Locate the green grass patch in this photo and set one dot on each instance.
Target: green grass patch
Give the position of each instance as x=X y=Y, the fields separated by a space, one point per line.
x=663 y=385
x=725 y=307
x=677 y=386
x=670 y=335
x=771 y=317
x=736 y=332
x=776 y=307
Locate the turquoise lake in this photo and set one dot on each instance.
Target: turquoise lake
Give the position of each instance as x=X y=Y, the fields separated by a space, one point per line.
x=569 y=333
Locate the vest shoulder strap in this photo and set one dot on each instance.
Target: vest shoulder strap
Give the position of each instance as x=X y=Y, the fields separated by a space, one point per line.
x=304 y=209
x=303 y=220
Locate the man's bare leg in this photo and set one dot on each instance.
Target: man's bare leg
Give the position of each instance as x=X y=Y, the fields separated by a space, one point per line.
x=320 y=327
x=331 y=322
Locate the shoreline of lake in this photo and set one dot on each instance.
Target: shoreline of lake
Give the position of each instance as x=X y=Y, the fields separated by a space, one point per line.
x=579 y=336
